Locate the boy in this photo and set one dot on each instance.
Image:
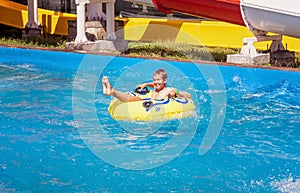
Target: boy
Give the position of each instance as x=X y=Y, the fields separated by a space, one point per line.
x=160 y=90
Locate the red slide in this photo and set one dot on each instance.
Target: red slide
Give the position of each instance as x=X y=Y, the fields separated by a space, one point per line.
x=221 y=10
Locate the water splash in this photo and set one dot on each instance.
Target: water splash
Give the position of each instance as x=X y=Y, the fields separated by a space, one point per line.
x=288 y=185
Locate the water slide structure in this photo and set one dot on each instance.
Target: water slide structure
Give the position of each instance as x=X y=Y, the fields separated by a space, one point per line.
x=16 y=15
x=260 y=16
x=235 y=19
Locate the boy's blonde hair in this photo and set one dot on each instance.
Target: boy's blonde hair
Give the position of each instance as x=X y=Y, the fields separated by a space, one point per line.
x=161 y=72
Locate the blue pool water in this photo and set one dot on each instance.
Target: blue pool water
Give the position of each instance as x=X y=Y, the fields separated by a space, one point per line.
x=57 y=136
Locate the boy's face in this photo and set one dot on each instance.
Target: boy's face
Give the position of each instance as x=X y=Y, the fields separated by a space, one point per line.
x=159 y=82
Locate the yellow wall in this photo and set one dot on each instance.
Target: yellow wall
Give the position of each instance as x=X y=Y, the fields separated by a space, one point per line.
x=206 y=33
x=16 y=15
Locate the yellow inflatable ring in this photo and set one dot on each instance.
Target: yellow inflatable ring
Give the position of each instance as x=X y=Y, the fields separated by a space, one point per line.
x=151 y=110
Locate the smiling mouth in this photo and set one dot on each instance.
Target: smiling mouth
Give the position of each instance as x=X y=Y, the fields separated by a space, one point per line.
x=158 y=88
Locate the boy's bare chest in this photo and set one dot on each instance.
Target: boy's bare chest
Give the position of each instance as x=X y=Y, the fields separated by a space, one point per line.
x=160 y=95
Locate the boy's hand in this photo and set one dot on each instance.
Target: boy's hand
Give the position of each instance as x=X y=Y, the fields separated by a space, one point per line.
x=172 y=93
x=141 y=86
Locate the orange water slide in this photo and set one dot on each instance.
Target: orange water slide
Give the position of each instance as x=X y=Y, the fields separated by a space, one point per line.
x=221 y=10
x=16 y=15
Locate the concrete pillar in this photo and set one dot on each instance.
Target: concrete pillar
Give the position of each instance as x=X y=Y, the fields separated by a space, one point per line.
x=110 y=22
x=110 y=42
x=32 y=14
x=248 y=54
x=248 y=49
x=145 y=10
x=35 y=11
x=80 y=37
